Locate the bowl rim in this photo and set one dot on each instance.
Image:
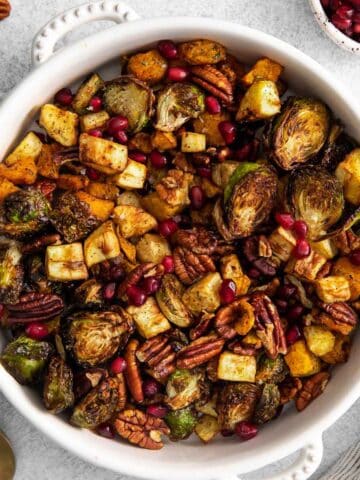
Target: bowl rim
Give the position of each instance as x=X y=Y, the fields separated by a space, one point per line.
x=336 y=35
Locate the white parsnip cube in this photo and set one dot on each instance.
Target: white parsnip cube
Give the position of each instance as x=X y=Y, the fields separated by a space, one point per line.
x=102 y=244
x=230 y=269
x=29 y=147
x=61 y=125
x=282 y=243
x=152 y=248
x=132 y=177
x=261 y=101
x=148 y=318
x=334 y=288
x=236 y=368
x=93 y=120
x=319 y=339
x=106 y=156
x=207 y=428
x=65 y=263
x=193 y=142
x=204 y=296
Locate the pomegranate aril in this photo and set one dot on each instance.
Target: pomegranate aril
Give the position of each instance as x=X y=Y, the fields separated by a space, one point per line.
x=212 y=105
x=356 y=17
x=228 y=131
x=286 y=291
x=246 y=430
x=167 y=49
x=285 y=220
x=295 y=312
x=37 y=331
x=138 y=156
x=109 y=291
x=335 y=4
x=281 y=305
x=93 y=174
x=117 y=123
x=157 y=159
x=300 y=228
x=197 y=197
x=159 y=411
x=341 y=23
x=105 y=430
x=293 y=335
x=177 y=74
x=354 y=257
x=95 y=104
x=355 y=3
x=64 y=97
x=167 y=227
x=345 y=11
x=151 y=388
x=118 y=365
x=95 y=132
x=150 y=285
x=168 y=264
x=227 y=291
x=356 y=28
x=121 y=137
x=325 y=3
x=302 y=249
x=116 y=273
x=244 y=152
x=136 y=296
x=204 y=172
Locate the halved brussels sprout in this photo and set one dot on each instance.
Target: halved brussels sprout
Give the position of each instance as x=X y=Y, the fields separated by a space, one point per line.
x=268 y=405
x=315 y=196
x=25 y=359
x=131 y=98
x=337 y=146
x=298 y=133
x=26 y=205
x=11 y=271
x=58 y=387
x=271 y=370
x=169 y=300
x=94 y=338
x=181 y=423
x=176 y=104
x=183 y=388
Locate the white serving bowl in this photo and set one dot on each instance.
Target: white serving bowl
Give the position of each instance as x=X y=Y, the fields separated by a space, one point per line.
x=331 y=31
x=224 y=458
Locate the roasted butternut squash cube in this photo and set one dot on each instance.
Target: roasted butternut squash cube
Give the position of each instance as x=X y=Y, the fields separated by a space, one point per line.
x=133 y=221
x=203 y=296
x=102 y=244
x=152 y=248
x=148 y=319
x=91 y=121
x=159 y=208
x=100 y=209
x=261 y=101
x=163 y=140
x=65 y=263
x=348 y=172
x=207 y=428
x=340 y=352
x=61 y=125
x=133 y=177
x=230 y=269
x=105 y=191
x=208 y=124
x=67 y=181
x=46 y=163
x=150 y=67
x=351 y=272
x=193 y=142
x=86 y=91
x=236 y=368
x=29 y=147
x=319 y=339
x=6 y=187
x=301 y=361
x=282 y=243
x=263 y=69
x=334 y=288
x=141 y=141
x=103 y=155
x=202 y=52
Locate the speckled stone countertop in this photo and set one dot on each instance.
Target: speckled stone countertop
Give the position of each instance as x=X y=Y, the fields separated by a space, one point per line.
x=38 y=458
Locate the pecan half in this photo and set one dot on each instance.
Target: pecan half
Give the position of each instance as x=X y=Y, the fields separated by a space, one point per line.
x=141 y=429
x=199 y=352
x=134 y=277
x=268 y=325
x=199 y=239
x=214 y=81
x=289 y=388
x=34 y=307
x=190 y=267
x=39 y=243
x=338 y=316
x=122 y=397
x=159 y=355
x=202 y=326
x=5 y=9
x=347 y=242
x=257 y=251
x=311 y=389
x=132 y=372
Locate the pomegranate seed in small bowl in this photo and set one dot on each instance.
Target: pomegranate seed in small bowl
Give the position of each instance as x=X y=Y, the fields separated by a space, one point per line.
x=167 y=49
x=37 y=331
x=285 y=220
x=64 y=97
x=118 y=365
x=168 y=263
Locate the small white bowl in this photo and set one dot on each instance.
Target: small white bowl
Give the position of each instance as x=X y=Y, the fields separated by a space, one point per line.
x=331 y=31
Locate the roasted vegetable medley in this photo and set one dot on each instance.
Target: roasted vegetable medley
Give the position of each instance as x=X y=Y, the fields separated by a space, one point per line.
x=180 y=248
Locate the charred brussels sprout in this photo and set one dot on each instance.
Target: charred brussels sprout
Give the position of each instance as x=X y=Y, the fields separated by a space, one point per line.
x=181 y=423
x=315 y=196
x=131 y=98
x=298 y=133
x=268 y=405
x=176 y=104
x=94 y=338
x=169 y=300
x=25 y=359
x=236 y=402
x=98 y=406
x=11 y=272
x=58 y=387
x=337 y=146
x=26 y=205
x=183 y=388
x=271 y=370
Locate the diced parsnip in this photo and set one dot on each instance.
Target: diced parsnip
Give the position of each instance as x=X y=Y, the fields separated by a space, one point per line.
x=67 y=181
x=210 y=189
x=193 y=142
x=86 y=91
x=340 y=352
x=351 y=272
x=29 y=147
x=159 y=208
x=46 y=162
x=348 y=172
x=333 y=288
x=301 y=361
x=152 y=248
x=101 y=245
x=236 y=368
x=263 y=69
x=282 y=243
x=163 y=140
x=6 y=187
x=129 y=198
x=204 y=296
x=93 y=120
x=261 y=101
x=128 y=249
x=141 y=141
x=221 y=172
x=148 y=319
x=326 y=248
x=133 y=177
x=230 y=269
x=133 y=221
x=65 y=263
x=208 y=408
x=103 y=155
x=319 y=339
x=99 y=208
x=105 y=191
x=61 y=125
x=207 y=428
x=208 y=124
x=306 y=268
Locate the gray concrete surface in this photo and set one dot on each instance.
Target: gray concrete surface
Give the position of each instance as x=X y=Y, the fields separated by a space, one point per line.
x=38 y=458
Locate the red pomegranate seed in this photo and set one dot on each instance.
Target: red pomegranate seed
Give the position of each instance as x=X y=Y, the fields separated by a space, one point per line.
x=285 y=220
x=135 y=296
x=244 y=152
x=117 y=123
x=138 y=156
x=325 y=3
x=121 y=137
x=302 y=249
x=227 y=433
x=300 y=228
x=150 y=285
x=227 y=291
x=118 y=365
x=93 y=174
x=109 y=291
x=105 y=430
x=246 y=430
x=355 y=3
x=356 y=28
x=335 y=4
x=356 y=19
x=228 y=131
x=341 y=23
x=345 y=11
x=354 y=257
x=293 y=335
x=204 y=172
x=254 y=273
x=151 y=387
x=95 y=132
x=167 y=227
x=197 y=197
x=167 y=49
x=281 y=305
x=95 y=104
x=295 y=312
x=168 y=263
x=212 y=104
x=157 y=159
x=286 y=291
x=64 y=97
x=177 y=74
x=37 y=331
x=159 y=411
